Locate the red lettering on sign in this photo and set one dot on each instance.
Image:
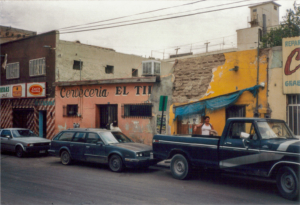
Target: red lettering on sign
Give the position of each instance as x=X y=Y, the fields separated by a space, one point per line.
x=36 y=90
x=287 y=69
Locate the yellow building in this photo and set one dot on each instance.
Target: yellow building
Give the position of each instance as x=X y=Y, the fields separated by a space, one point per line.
x=220 y=86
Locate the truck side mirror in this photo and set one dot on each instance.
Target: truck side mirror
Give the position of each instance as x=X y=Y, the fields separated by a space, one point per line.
x=8 y=136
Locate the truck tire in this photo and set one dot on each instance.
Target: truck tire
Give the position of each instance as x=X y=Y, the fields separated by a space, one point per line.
x=179 y=167
x=288 y=183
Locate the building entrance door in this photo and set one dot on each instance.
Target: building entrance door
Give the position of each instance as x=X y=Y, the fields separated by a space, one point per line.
x=108 y=114
x=42 y=123
x=23 y=118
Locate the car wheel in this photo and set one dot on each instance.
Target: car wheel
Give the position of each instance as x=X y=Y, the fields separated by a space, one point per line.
x=19 y=151
x=115 y=163
x=65 y=158
x=288 y=183
x=179 y=167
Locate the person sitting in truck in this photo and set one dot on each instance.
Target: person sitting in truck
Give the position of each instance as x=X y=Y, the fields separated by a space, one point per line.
x=205 y=128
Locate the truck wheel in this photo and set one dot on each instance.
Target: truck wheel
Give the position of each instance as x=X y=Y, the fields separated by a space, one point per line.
x=288 y=183
x=65 y=158
x=115 y=163
x=179 y=167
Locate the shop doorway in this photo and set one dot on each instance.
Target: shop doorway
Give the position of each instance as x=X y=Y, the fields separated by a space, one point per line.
x=23 y=118
x=42 y=123
x=108 y=114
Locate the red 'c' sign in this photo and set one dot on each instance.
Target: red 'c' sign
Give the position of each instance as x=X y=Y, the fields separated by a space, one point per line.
x=36 y=89
x=287 y=69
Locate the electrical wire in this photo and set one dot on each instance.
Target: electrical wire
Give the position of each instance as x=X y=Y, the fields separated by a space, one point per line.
x=135 y=14
x=181 y=16
x=157 y=16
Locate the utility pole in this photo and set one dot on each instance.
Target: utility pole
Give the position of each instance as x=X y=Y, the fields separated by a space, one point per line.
x=207 y=46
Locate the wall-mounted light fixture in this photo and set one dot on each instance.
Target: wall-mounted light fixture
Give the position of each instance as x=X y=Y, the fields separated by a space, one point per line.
x=236 y=68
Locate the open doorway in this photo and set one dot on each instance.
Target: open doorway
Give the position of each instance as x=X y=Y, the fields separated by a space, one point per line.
x=108 y=114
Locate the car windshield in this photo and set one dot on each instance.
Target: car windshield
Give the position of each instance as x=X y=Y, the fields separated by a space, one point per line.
x=23 y=133
x=271 y=129
x=115 y=137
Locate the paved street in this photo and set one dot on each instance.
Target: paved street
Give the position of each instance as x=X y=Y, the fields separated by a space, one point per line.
x=44 y=180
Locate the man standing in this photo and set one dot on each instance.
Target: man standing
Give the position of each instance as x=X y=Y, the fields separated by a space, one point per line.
x=205 y=128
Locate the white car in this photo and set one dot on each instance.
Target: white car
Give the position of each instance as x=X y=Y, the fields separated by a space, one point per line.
x=23 y=141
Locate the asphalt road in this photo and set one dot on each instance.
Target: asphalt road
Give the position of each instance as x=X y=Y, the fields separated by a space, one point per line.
x=44 y=180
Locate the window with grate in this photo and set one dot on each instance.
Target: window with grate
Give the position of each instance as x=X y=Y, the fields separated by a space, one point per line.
x=156 y=68
x=70 y=110
x=134 y=72
x=13 y=71
x=77 y=65
x=37 y=67
x=137 y=110
x=109 y=69
x=147 y=67
x=294 y=113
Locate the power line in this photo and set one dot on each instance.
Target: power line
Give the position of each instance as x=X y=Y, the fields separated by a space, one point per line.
x=156 y=19
x=155 y=16
x=136 y=14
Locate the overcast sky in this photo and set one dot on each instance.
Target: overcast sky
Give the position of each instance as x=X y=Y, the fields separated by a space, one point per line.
x=145 y=39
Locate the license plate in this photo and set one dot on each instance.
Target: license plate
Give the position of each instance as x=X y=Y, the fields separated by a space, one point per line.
x=43 y=151
x=151 y=155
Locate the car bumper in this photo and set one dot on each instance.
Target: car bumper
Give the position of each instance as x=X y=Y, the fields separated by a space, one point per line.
x=37 y=150
x=140 y=162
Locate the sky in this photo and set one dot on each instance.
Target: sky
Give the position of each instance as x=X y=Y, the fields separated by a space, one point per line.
x=158 y=39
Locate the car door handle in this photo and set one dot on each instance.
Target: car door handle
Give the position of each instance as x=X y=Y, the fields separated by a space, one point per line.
x=87 y=146
x=228 y=143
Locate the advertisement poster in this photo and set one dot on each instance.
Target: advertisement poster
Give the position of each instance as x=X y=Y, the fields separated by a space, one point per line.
x=291 y=65
x=13 y=91
x=36 y=90
x=163 y=130
x=5 y=91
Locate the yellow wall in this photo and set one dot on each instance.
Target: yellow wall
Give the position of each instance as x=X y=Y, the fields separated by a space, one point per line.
x=225 y=82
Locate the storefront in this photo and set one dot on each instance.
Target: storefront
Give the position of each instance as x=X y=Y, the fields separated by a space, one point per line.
x=98 y=103
x=25 y=106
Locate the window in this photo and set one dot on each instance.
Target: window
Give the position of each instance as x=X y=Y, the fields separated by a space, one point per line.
x=156 y=68
x=147 y=67
x=93 y=138
x=235 y=111
x=77 y=65
x=137 y=110
x=12 y=70
x=66 y=136
x=5 y=133
x=294 y=113
x=37 y=67
x=254 y=10
x=134 y=72
x=238 y=129
x=70 y=110
x=109 y=69
x=79 y=137
x=275 y=7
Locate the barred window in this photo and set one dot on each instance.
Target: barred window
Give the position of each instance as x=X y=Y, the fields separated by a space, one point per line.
x=137 y=110
x=294 y=113
x=147 y=68
x=156 y=68
x=13 y=71
x=37 y=67
x=70 y=110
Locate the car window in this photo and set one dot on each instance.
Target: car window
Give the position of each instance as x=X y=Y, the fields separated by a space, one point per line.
x=23 y=133
x=66 y=136
x=93 y=138
x=238 y=130
x=79 y=137
x=115 y=137
x=5 y=133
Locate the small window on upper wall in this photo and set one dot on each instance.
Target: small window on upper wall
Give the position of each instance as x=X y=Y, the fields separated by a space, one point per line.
x=109 y=69
x=275 y=7
x=13 y=71
x=134 y=72
x=77 y=65
x=254 y=10
x=37 y=67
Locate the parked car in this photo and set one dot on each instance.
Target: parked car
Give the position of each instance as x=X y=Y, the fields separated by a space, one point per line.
x=101 y=146
x=23 y=141
x=264 y=148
